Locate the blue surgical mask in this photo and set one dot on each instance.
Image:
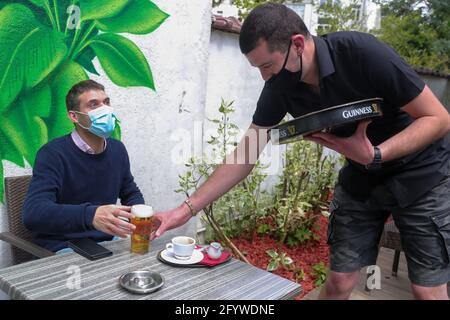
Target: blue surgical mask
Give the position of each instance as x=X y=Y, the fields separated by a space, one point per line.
x=103 y=121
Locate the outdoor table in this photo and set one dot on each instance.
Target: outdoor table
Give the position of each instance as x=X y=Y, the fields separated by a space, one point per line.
x=52 y=278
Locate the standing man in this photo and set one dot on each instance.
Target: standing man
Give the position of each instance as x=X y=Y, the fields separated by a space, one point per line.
x=398 y=164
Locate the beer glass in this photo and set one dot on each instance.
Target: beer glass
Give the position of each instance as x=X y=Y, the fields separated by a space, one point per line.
x=143 y=220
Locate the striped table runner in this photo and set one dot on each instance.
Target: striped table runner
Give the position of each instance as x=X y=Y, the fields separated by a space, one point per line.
x=55 y=278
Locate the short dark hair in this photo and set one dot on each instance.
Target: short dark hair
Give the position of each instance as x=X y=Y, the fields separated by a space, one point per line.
x=72 y=102
x=272 y=22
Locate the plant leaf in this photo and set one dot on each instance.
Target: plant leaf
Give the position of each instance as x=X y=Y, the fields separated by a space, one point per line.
x=11 y=144
x=68 y=75
x=40 y=3
x=28 y=56
x=273 y=254
x=85 y=59
x=99 y=9
x=40 y=9
x=287 y=261
x=122 y=61
x=26 y=3
x=39 y=101
x=138 y=17
x=272 y=266
x=117 y=134
x=26 y=114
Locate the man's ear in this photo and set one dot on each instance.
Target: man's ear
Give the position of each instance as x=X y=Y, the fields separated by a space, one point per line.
x=299 y=42
x=71 y=115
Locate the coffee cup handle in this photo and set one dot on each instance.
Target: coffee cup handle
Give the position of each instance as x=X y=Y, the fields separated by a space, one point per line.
x=169 y=247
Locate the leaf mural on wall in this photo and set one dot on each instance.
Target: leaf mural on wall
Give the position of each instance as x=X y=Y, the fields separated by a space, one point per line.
x=43 y=54
x=70 y=74
x=98 y=9
x=28 y=114
x=139 y=17
x=85 y=60
x=122 y=60
x=29 y=52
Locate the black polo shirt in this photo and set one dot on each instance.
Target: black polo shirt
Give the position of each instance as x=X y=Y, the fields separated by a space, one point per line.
x=355 y=66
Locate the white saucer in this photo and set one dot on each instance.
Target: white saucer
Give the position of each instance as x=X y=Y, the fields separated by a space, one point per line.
x=196 y=257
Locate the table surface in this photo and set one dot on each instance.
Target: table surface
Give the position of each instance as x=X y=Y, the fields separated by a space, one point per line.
x=52 y=278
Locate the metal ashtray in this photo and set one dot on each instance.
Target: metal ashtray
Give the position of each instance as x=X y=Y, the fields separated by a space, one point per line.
x=141 y=281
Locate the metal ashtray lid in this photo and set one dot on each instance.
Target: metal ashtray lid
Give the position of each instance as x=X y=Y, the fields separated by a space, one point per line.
x=141 y=281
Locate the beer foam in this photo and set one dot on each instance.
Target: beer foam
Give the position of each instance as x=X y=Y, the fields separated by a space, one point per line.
x=142 y=211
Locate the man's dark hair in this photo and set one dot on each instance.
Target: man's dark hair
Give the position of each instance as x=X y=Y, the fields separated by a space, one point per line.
x=272 y=22
x=72 y=101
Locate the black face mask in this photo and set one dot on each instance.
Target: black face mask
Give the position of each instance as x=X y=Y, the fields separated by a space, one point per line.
x=285 y=79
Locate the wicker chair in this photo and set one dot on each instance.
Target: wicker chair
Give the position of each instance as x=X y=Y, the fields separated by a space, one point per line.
x=391 y=239
x=22 y=249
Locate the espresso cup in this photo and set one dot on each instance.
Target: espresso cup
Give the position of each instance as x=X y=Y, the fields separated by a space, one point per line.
x=181 y=247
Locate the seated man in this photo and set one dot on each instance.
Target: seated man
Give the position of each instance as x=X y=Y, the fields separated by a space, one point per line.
x=78 y=178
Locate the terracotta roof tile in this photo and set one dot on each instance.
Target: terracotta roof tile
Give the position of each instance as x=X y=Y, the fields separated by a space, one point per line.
x=228 y=24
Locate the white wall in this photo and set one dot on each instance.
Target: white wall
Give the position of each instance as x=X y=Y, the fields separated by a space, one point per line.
x=231 y=77
x=178 y=55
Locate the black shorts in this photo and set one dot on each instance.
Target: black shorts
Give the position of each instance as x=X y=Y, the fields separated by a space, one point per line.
x=355 y=230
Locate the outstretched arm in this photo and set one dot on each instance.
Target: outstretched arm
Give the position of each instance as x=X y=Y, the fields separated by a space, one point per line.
x=236 y=167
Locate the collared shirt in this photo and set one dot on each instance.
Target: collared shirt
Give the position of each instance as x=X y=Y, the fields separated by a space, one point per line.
x=81 y=144
x=355 y=66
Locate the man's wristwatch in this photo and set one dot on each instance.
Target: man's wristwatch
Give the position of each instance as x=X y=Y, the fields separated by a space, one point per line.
x=376 y=162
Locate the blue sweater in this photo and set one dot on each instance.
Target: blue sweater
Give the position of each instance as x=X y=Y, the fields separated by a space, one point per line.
x=69 y=185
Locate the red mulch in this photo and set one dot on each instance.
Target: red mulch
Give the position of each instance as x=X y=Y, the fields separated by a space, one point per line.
x=304 y=256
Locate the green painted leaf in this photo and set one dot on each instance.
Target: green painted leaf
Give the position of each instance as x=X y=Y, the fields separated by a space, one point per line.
x=99 y=9
x=26 y=114
x=38 y=102
x=28 y=52
x=122 y=61
x=4 y=3
x=39 y=9
x=117 y=134
x=85 y=60
x=68 y=75
x=40 y=3
x=138 y=17
x=11 y=144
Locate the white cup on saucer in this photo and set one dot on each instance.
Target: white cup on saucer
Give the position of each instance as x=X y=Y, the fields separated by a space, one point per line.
x=181 y=247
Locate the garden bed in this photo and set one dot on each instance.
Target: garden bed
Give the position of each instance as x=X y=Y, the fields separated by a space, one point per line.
x=304 y=256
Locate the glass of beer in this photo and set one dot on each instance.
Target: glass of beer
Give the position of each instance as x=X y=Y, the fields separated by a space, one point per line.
x=143 y=220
